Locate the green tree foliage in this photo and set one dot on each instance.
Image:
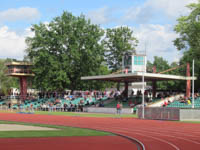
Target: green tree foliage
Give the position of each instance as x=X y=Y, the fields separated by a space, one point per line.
x=178 y=70
x=64 y=50
x=99 y=85
x=149 y=66
x=161 y=65
x=117 y=42
x=188 y=28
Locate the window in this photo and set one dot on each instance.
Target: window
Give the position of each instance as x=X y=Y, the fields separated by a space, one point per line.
x=138 y=60
x=127 y=60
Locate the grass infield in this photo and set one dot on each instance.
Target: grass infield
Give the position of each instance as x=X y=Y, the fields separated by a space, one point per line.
x=190 y=122
x=80 y=114
x=63 y=131
x=86 y=114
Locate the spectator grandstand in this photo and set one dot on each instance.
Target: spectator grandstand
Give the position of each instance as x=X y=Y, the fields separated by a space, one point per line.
x=59 y=101
x=185 y=103
x=77 y=100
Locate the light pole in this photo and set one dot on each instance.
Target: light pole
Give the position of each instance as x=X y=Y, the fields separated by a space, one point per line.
x=143 y=93
x=143 y=71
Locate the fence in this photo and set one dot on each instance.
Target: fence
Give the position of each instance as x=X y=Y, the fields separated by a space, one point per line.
x=107 y=110
x=159 y=113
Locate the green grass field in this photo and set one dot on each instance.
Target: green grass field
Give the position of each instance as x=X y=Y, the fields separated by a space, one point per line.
x=190 y=121
x=80 y=114
x=63 y=131
x=86 y=114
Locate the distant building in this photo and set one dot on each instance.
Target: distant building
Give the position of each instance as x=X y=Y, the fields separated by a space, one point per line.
x=134 y=62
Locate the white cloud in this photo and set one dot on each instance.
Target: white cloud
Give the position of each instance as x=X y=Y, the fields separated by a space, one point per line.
x=158 y=41
x=157 y=38
x=172 y=8
x=100 y=16
x=150 y=10
x=153 y=8
x=12 y=45
x=23 y=13
x=140 y=14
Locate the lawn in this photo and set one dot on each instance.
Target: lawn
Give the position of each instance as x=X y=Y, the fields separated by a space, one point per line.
x=86 y=114
x=190 y=121
x=80 y=114
x=63 y=131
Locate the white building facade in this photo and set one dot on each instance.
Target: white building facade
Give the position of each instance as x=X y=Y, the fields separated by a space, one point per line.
x=133 y=62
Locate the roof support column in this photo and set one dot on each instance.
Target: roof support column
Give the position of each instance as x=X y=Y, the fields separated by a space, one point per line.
x=126 y=90
x=154 y=83
x=188 y=84
x=154 y=88
x=23 y=88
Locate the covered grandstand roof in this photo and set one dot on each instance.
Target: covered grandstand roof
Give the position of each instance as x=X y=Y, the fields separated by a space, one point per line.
x=137 y=77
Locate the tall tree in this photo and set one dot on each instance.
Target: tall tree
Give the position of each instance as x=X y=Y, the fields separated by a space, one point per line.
x=188 y=28
x=161 y=65
x=117 y=42
x=64 y=50
x=149 y=66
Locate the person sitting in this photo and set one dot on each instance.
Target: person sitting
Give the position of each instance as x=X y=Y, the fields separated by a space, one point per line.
x=165 y=104
x=87 y=103
x=131 y=104
x=182 y=100
x=188 y=102
x=65 y=106
x=101 y=104
x=75 y=108
x=81 y=102
x=169 y=102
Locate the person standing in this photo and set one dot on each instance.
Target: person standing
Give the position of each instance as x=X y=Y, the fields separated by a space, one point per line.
x=119 y=108
x=9 y=106
x=31 y=108
x=65 y=107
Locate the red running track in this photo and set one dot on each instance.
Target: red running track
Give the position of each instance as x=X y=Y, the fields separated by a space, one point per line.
x=69 y=143
x=155 y=135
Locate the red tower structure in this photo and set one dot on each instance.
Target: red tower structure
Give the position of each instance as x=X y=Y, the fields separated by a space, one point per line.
x=188 y=85
x=21 y=70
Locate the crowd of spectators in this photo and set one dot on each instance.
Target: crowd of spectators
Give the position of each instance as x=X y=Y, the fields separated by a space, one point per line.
x=185 y=100
x=66 y=101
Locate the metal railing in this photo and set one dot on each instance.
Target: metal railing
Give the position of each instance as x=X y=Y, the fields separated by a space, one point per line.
x=24 y=71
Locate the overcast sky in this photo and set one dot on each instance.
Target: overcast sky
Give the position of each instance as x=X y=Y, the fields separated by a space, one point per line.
x=152 y=21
